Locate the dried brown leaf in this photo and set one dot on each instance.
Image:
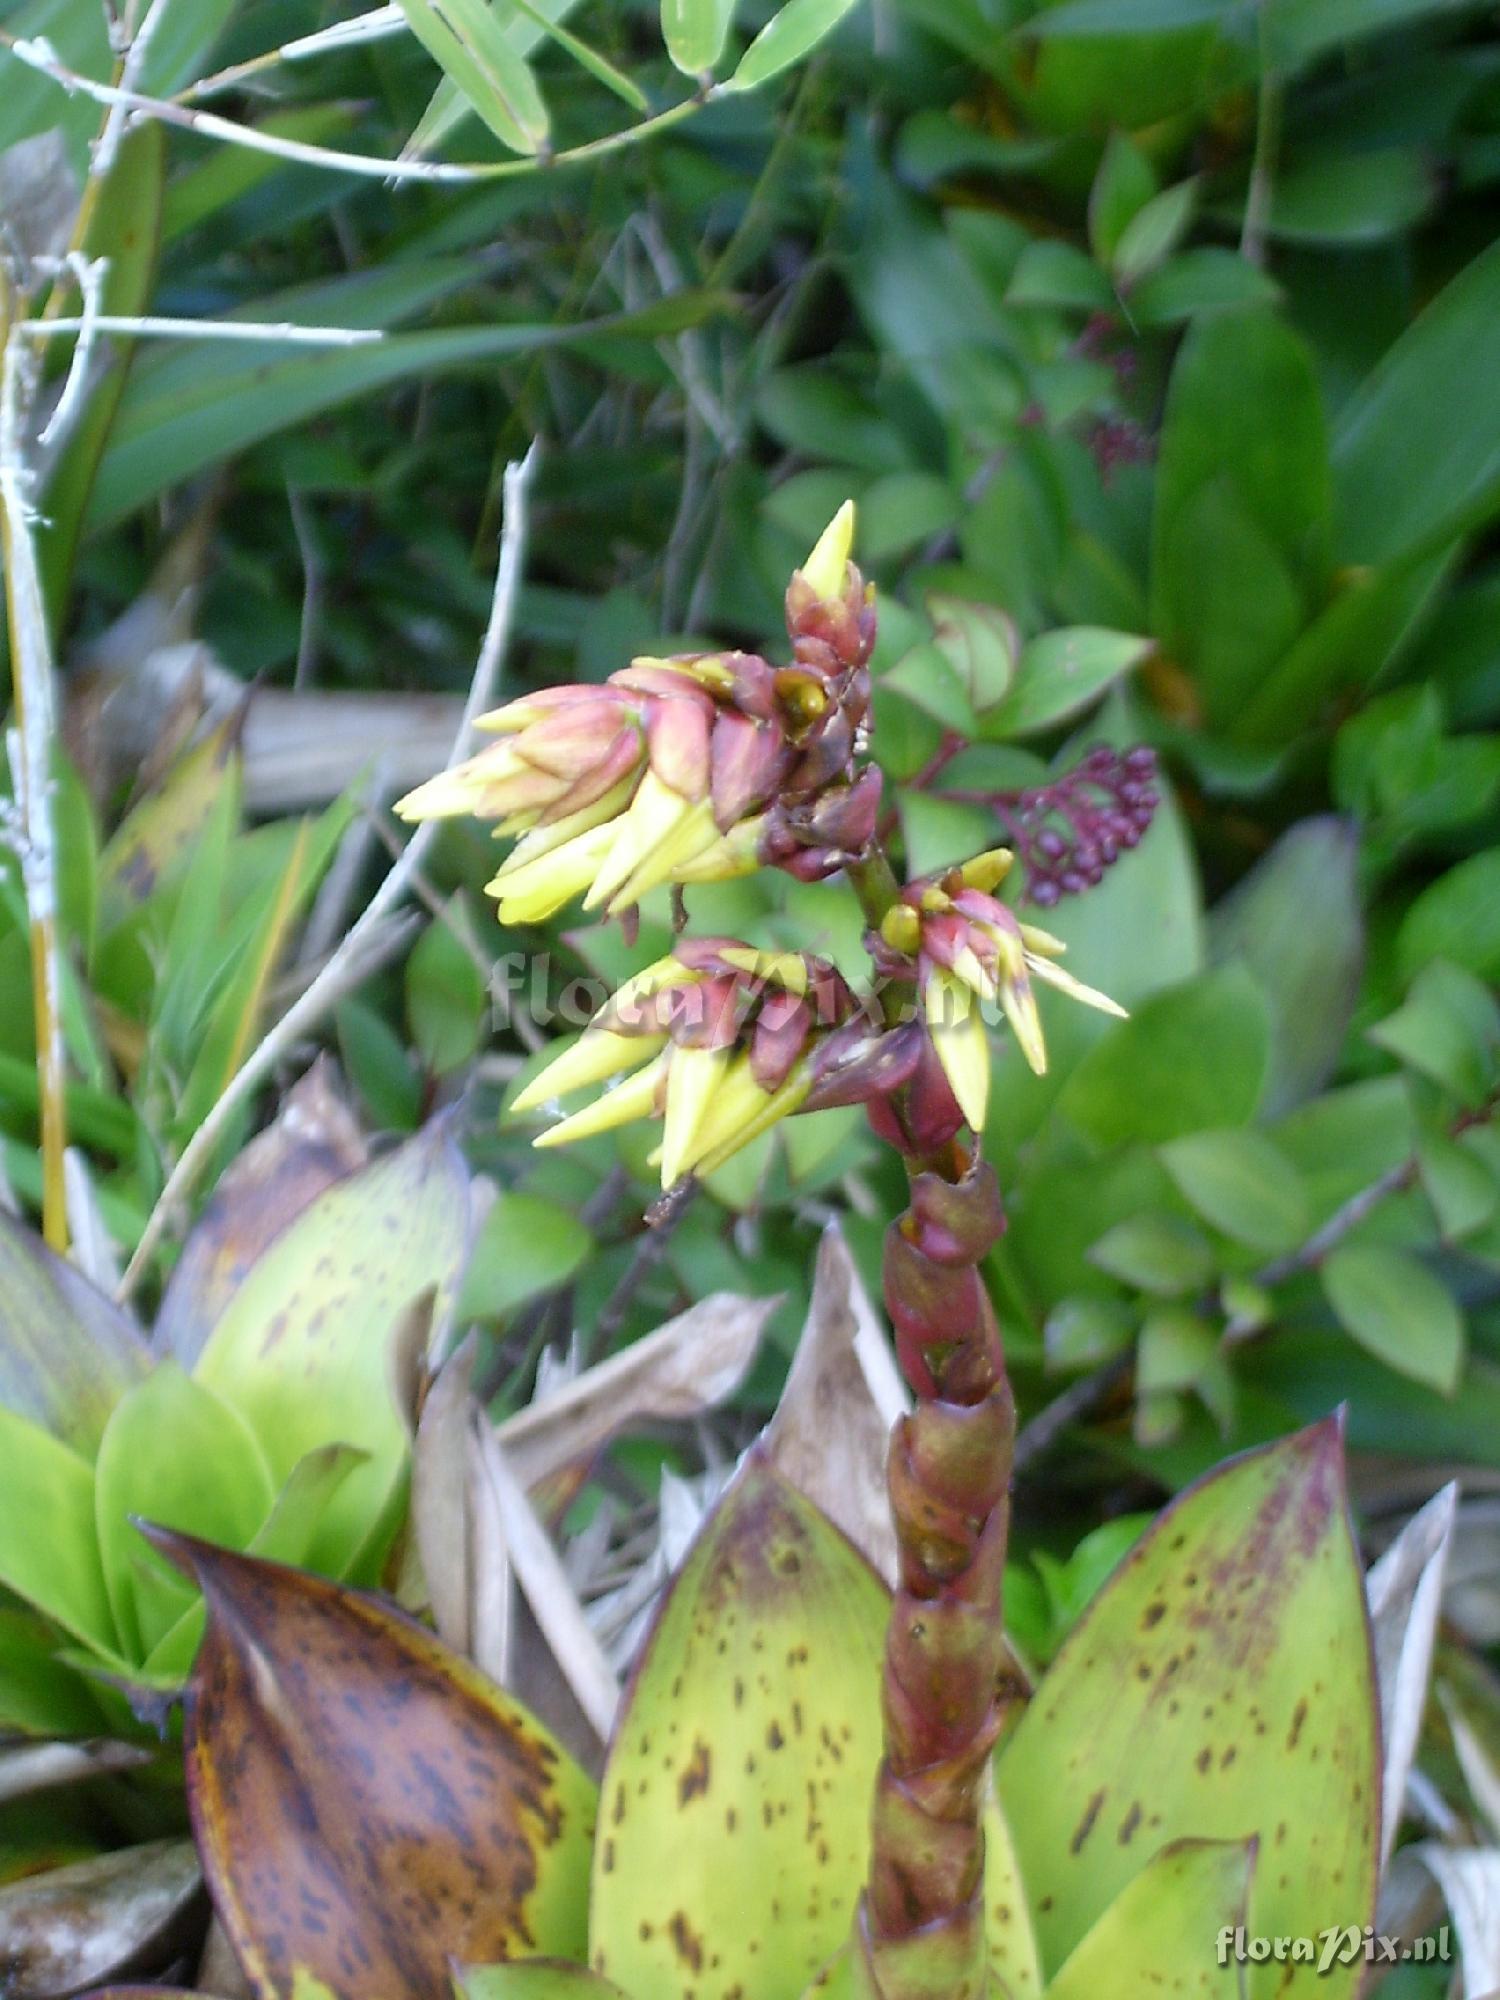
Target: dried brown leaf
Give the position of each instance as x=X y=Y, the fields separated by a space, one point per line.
x=366 y=1803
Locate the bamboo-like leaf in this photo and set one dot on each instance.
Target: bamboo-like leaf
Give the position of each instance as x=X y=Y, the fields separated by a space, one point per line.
x=695 y=32
x=1220 y=1686
x=467 y=42
x=71 y=1927
x=68 y=1353
x=367 y=1805
x=786 y=38
x=590 y=59
x=302 y=1351
x=735 y=1803
x=1166 y=1925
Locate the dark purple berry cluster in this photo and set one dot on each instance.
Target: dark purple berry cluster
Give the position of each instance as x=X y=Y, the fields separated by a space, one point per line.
x=1067 y=833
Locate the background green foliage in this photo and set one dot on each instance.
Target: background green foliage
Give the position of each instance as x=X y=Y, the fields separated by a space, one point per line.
x=1169 y=326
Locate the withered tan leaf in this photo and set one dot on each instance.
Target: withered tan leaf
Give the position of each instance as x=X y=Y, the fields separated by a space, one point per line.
x=1405 y=1592
x=832 y=1428
x=72 y=1927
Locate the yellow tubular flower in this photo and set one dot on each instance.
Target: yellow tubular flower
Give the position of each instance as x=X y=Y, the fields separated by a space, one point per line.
x=961 y=1041
x=595 y=1057
x=824 y=568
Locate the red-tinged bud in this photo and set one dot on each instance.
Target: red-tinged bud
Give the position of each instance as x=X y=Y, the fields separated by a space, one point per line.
x=619 y=763
x=677 y=733
x=863 y=1064
x=748 y=759
x=818 y=836
x=930 y=1119
x=957 y=1224
x=780 y=1035
x=572 y=740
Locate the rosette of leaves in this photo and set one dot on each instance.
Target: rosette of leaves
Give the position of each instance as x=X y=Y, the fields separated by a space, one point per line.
x=264 y=1411
x=1202 y=1755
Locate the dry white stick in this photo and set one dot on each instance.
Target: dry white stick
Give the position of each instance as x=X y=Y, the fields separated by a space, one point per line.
x=148 y=328
x=107 y=146
x=38 y=54
x=90 y=273
x=305 y=1013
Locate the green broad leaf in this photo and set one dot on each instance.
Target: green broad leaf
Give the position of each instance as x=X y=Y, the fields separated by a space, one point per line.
x=1298 y=31
x=1351 y=197
x=790 y=34
x=1153 y=233
x=1198 y=280
x=1239 y=1703
x=1267 y=483
x=1448 y=1029
x=1418 y=443
x=302 y=1351
x=757 y=1692
x=38 y=1698
x=1393 y=1306
x=1172 y=1915
x=1176 y=1349
x=1061 y=674
x=939 y=832
x=1123 y=187
x=1345 y=1139
x=1052 y=273
x=1160 y=1254
x=172 y=1452
x=532 y=1979
x=695 y=32
x=1083 y=1331
x=380 y=1065
x=1241 y=1183
x=1084 y=18
x=1191 y=1057
x=182 y=416
x=447 y=993
x=929 y=681
x=1456 y=918
x=68 y=1353
x=400 y=1751
x=49 y=1555
x=469 y=45
x=902 y=510
x=1463 y=1191
x=525 y=1245
x=1296 y=924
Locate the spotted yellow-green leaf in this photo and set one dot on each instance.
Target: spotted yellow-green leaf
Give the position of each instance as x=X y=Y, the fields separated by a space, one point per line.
x=1170 y=1931
x=1009 y=1932
x=1219 y=1687
x=734 y=1815
x=533 y=1979
x=367 y=1806
x=302 y=1351
x=159 y=835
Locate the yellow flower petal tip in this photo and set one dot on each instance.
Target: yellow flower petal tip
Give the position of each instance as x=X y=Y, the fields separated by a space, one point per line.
x=824 y=568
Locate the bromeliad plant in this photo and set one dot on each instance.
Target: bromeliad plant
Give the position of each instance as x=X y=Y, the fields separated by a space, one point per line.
x=815 y=1785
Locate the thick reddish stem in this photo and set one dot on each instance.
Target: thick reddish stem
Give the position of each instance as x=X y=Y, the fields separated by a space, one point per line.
x=949 y=1481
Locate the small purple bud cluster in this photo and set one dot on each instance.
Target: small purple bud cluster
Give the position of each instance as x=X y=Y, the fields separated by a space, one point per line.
x=1067 y=833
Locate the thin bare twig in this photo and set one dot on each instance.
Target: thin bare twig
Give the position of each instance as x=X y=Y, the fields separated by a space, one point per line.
x=309 y=1010
x=90 y=273
x=377 y=25
x=38 y=54
x=155 y=328
x=31 y=754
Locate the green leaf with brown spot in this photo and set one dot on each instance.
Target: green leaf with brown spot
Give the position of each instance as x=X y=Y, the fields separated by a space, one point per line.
x=1219 y=1687
x=368 y=1807
x=302 y=1351
x=533 y=1979
x=734 y=1816
x=1163 y=1932
x=1009 y=1932
x=155 y=840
